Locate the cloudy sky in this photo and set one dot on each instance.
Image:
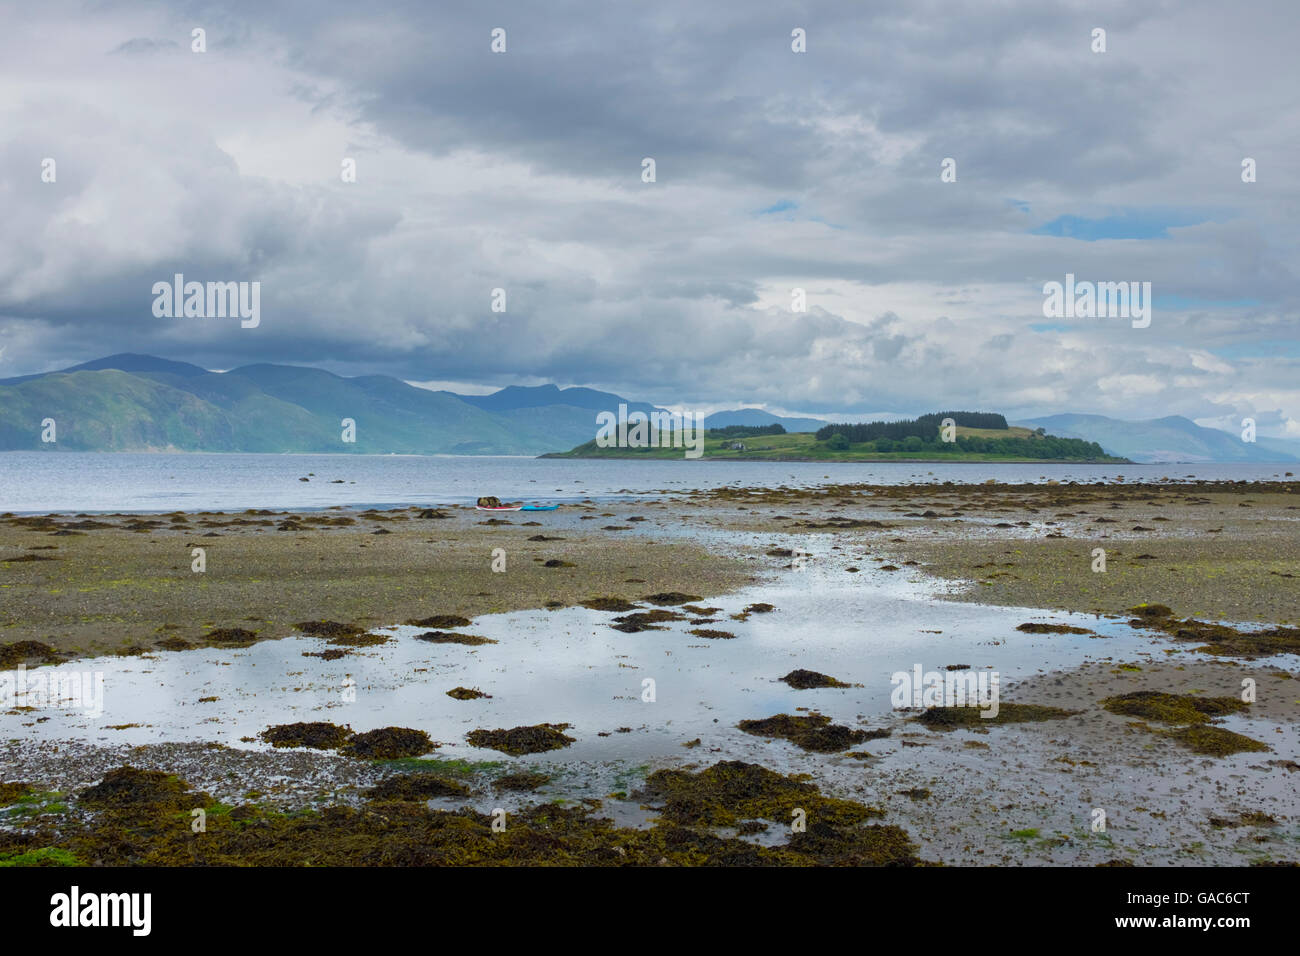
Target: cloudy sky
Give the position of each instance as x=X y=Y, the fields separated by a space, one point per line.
x=775 y=170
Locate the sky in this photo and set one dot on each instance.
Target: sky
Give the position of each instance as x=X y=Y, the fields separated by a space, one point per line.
x=775 y=170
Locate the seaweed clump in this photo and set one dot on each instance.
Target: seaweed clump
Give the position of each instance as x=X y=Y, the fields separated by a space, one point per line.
x=1033 y=627
x=447 y=637
x=522 y=740
x=440 y=621
x=316 y=735
x=13 y=792
x=231 y=635
x=813 y=732
x=523 y=781
x=126 y=787
x=733 y=790
x=467 y=693
x=671 y=597
x=21 y=652
x=801 y=679
x=416 y=786
x=608 y=604
x=1215 y=741
x=953 y=718
x=1172 y=708
x=389 y=743
x=329 y=629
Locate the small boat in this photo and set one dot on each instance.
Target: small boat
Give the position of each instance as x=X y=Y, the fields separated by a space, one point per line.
x=516 y=507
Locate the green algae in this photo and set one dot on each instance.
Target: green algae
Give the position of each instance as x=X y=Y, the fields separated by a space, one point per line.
x=813 y=732
x=45 y=856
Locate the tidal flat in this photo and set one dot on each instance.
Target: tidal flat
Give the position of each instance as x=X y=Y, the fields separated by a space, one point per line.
x=546 y=744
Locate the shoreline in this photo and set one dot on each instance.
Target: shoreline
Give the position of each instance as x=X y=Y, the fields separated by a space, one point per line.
x=1013 y=794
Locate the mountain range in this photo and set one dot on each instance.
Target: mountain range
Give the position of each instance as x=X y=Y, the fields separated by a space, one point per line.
x=1170 y=439
x=143 y=403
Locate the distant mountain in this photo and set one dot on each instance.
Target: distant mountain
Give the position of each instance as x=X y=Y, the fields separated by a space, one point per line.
x=514 y=397
x=124 y=362
x=1171 y=439
x=132 y=402
x=751 y=417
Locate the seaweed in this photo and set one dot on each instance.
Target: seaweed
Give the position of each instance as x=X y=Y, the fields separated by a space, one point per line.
x=608 y=604
x=416 y=786
x=1037 y=628
x=447 y=637
x=331 y=629
x=318 y=735
x=359 y=640
x=231 y=634
x=330 y=654
x=128 y=787
x=953 y=718
x=1172 y=708
x=522 y=781
x=806 y=680
x=20 y=652
x=1215 y=741
x=522 y=740
x=13 y=792
x=440 y=621
x=389 y=743
x=671 y=597
x=467 y=693
x=813 y=732
x=712 y=634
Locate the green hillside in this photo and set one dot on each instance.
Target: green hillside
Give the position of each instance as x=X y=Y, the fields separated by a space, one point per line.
x=972 y=444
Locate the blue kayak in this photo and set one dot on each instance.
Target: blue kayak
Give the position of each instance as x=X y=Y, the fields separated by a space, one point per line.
x=539 y=507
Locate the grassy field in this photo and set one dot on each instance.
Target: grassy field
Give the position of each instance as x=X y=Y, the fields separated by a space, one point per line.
x=803 y=446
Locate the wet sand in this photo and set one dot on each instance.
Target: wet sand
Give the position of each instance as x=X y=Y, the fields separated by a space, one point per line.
x=1007 y=794
x=111 y=589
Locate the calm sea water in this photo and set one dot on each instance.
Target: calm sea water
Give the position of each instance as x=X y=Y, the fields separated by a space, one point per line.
x=38 y=482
